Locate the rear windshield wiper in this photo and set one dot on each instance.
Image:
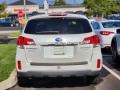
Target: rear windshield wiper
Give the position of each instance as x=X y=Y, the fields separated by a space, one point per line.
x=48 y=32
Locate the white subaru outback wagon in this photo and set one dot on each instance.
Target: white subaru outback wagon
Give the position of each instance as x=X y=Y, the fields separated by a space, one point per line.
x=58 y=45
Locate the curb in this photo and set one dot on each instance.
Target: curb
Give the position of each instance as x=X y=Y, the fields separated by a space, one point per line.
x=7 y=32
x=12 y=37
x=10 y=82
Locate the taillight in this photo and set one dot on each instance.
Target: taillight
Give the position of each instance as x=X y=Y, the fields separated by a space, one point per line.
x=98 y=63
x=106 y=32
x=25 y=41
x=91 y=40
x=19 y=65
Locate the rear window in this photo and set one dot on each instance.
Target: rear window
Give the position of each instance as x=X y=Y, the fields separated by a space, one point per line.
x=111 y=24
x=57 y=26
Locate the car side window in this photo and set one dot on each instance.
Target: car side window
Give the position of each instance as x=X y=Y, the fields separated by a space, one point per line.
x=95 y=25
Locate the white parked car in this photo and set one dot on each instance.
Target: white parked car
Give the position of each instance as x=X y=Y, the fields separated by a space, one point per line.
x=105 y=29
x=58 y=45
x=115 y=46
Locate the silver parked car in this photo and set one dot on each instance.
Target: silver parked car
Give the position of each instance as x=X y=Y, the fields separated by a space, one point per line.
x=115 y=46
x=58 y=44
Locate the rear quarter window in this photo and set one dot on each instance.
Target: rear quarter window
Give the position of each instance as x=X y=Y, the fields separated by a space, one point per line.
x=58 y=26
x=95 y=25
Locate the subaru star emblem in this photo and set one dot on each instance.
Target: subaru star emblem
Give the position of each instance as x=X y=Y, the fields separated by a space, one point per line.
x=58 y=39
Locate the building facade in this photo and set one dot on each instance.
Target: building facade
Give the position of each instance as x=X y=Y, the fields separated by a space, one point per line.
x=13 y=8
x=33 y=8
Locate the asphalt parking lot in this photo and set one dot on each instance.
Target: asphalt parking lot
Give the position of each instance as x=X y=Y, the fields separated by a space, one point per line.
x=4 y=31
x=110 y=78
x=9 y=28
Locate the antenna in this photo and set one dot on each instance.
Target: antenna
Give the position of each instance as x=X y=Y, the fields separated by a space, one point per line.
x=46 y=6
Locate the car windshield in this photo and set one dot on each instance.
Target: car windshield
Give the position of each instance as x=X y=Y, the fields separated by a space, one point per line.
x=111 y=24
x=58 y=26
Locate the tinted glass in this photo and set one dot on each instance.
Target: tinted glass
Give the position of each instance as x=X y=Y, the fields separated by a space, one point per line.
x=57 y=26
x=95 y=25
x=111 y=24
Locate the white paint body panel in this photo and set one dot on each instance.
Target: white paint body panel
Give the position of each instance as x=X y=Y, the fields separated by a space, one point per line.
x=76 y=59
x=105 y=40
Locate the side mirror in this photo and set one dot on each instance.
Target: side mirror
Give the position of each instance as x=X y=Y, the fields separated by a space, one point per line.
x=118 y=31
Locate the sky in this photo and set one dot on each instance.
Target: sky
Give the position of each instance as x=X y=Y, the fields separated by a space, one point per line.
x=50 y=1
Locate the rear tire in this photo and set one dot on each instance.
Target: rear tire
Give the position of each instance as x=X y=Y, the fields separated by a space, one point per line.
x=23 y=81
x=95 y=79
x=115 y=56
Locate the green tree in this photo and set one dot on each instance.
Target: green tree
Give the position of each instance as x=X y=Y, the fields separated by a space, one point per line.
x=117 y=2
x=90 y=5
x=2 y=7
x=59 y=2
x=100 y=7
x=2 y=10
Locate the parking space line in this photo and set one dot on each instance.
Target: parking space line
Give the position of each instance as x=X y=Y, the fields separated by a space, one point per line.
x=112 y=72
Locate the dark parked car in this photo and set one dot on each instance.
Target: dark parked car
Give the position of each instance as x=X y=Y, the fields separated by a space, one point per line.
x=115 y=46
x=15 y=23
x=79 y=12
x=5 y=22
x=113 y=17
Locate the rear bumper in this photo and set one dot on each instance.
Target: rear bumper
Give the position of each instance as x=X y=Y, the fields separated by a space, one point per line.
x=82 y=69
x=33 y=74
